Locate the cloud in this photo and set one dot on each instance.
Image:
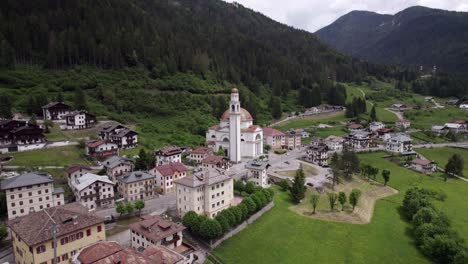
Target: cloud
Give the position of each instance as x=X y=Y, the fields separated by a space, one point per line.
x=312 y=15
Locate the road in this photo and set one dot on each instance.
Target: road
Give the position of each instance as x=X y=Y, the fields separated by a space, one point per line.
x=160 y=204
x=462 y=144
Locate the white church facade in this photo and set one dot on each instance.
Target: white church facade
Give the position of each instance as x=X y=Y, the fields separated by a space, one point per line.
x=236 y=133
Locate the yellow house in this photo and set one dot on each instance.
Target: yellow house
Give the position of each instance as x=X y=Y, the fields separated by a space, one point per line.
x=32 y=235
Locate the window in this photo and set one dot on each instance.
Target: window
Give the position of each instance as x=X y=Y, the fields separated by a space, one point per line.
x=22 y=211
x=13 y=212
x=40 y=199
x=12 y=196
x=71 y=238
x=79 y=235
x=47 y=190
x=40 y=249
x=21 y=202
x=64 y=240
x=99 y=228
x=20 y=195
x=30 y=193
x=39 y=192
x=65 y=256
x=30 y=201
x=47 y=198
x=88 y=232
x=12 y=204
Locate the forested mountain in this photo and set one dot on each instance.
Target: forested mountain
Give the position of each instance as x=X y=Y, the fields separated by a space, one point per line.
x=417 y=36
x=157 y=60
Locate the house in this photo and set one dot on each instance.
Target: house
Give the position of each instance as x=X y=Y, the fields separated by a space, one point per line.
x=136 y=185
x=76 y=171
x=423 y=166
x=100 y=149
x=334 y=143
x=154 y=230
x=439 y=130
x=257 y=172
x=355 y=127
x=402 y=124
x=315 y=141
x=206 y=192
x=374 y=126
x=318 y=154
x=384 y=133
x=79 y=120
x=168 y=155
x=399 y=107
x=122 y=136
x=198 y=154
x=117 y=166
x=55 y=110
x=94 y=191
x=166 y=174
x=429 y=98
x=18 y=135
x=275 y=138
x=76 y=228
x=399 y=143
x=30 y=192
x=110 y=252
x=216 y=162
x=358 y=140
x=463 y=106
x=452 y=102
x=456 y=127
x=293 y=139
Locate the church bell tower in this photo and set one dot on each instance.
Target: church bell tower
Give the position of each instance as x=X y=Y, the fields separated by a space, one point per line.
x=234 y=127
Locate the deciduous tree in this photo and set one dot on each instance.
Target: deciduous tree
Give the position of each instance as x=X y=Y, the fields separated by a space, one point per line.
x=354 y=197
x=298 y=188
x=314 y=200
x=332 y=197
x=342 y=199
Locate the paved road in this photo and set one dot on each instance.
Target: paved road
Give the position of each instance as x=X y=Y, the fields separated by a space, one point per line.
x=160 y=204
x=462 y=144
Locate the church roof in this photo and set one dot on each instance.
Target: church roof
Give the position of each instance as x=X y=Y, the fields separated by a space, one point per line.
x=245 y=115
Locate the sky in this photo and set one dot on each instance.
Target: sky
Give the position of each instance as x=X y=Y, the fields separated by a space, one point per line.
x=312 y=15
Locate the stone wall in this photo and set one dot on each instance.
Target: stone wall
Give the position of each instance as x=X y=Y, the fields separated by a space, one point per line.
x=243 y=225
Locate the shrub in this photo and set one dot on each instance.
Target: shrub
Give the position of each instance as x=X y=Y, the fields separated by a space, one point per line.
x=237 y=214
x=239 y=186
x=272 y=193
x=244 y=210
x=250 y=204
x=198 y=223
x=284 y=185
x=190 y=219
x=257 y=201
x=210 y=229
x=230 y=217
x=223 y=222
x=249 y=187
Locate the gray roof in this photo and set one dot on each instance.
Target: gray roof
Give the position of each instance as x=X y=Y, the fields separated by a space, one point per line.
x=26 y=179
x=114 y=161
x=257 y=164
x=205 y=177
x=58 y=190
x=135 y=176
x=400 y=137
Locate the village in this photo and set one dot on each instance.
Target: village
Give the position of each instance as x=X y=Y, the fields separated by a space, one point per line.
x=119 y=209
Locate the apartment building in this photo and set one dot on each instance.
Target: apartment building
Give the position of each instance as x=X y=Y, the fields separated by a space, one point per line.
x=165 y=175
x=76 y=171
x=94 y=191
x=199 y=154
x=32 y=239
x=31 y=192
x=155 y=230
x=204 y=192
x=136 y=185
x=117 y=166
x=168 y=155
x=257 y=172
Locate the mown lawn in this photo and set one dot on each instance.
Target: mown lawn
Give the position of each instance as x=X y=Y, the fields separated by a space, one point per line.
x=313 y=120
x=426 y=118
x=60 y=156
x=282 y=236
x=55 y=134
x=442 y=155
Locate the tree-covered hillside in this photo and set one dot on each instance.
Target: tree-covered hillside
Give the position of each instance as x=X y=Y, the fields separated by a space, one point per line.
x=417 y=36
x=170 y=62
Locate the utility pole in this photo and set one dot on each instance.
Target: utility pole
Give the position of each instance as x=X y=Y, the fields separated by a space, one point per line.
x=54 y=235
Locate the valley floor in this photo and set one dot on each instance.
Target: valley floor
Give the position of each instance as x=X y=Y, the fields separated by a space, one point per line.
x=283 y=236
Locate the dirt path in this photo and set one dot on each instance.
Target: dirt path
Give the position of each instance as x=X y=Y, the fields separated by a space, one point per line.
x=398 y=114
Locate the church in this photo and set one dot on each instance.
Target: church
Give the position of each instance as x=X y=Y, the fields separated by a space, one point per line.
x=236 y=133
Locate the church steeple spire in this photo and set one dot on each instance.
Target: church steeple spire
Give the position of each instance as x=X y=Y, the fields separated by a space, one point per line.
x=234 y=127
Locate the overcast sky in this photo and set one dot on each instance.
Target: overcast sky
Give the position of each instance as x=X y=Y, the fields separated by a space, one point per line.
x=312 y=15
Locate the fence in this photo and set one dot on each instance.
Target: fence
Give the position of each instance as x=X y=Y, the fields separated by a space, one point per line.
x=242 y=226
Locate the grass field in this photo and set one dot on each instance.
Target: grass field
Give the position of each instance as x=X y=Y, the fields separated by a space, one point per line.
x=55 y=134
x=60 y=156
x=442 y=155
x=308 y=121
x=425 y=118
x=325 y=132
x=422 y=137
x=283 y=236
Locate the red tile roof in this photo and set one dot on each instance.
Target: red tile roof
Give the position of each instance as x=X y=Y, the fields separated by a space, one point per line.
x=170 y=169
x=245 y=115
x=76 y=167
x=201 y=150
x=355 y=126
x=271 y=132
x=95 y=143
x=251 y=128
x=156 y=228
x=384 y=130
x=215 y=160
x=421 y=162
x=169 y=151
x=214 y=127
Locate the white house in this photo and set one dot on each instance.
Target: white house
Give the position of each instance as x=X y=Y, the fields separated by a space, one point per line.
x=79 y=120
x=166 y=174
x=257 y=172
x=334 y=143
x=236 y=133
x=374 y=126
x=199 y=154
x=358 y=140
x=168 y=155
x=120 y=135
x=463 y=106
x=455 y=127
x=94 y=191
x=399 y=143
